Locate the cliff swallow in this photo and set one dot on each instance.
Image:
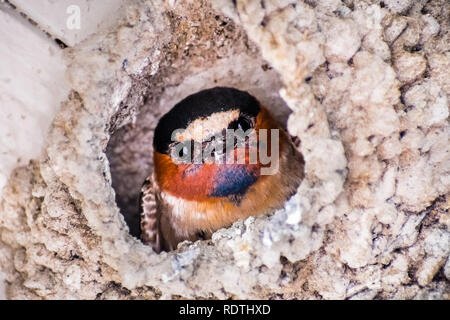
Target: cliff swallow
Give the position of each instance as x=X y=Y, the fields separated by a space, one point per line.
x=205 y=179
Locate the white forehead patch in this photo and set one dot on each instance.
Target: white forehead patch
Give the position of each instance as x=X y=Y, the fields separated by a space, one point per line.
x=203 y=128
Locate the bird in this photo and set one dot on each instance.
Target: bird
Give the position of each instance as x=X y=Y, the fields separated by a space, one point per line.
x=190 y=200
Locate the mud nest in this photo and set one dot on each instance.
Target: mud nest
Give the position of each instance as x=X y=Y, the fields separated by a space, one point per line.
x=365 y=86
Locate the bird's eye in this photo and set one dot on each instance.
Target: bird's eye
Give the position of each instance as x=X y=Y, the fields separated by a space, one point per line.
x=242 y=123
x=183 y=152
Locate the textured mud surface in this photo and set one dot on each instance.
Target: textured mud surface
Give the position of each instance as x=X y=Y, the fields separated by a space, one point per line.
x=368 y=86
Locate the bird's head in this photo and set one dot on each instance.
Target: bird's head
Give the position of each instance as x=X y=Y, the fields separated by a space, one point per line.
x=208 y=145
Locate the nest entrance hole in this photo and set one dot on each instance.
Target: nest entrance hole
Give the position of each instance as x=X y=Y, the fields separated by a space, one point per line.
x=181 y=73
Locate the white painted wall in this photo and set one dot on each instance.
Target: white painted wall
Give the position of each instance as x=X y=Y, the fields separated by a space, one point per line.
x=32 y=86
x=58 y=17
x=32 y=72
